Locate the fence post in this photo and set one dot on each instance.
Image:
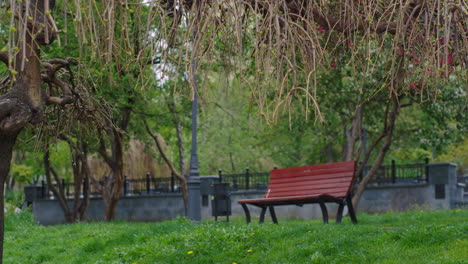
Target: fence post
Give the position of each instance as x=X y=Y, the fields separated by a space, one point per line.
x=247 y=178
x=393 y=172
x=426 y=160
x=172 y=182
x=148 y=186
x=220 y=176
x=125 y=186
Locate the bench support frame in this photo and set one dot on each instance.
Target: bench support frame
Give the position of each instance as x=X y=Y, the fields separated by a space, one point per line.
x=321 y=201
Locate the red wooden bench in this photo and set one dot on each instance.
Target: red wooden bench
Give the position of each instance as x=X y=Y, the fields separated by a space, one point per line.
x=320 y=184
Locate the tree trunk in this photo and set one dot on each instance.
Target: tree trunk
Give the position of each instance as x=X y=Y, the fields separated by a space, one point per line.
x=6 y=150
x=180 y=144
x=23 y=103
x=387 y=141
x=60 y=193
x=113 y=184
x=81 y=174
x=352 y=134
x=328 y=150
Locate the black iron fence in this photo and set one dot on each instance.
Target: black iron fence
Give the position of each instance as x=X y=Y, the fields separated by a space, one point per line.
x=151 y=185
x=131 y=187
x=399 y=173
x=246 y=181
x=386 y=174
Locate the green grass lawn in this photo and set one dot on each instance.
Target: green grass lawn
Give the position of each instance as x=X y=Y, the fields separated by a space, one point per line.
x=414 y=237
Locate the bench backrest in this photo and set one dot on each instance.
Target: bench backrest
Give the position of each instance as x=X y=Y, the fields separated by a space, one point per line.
x=333 y=179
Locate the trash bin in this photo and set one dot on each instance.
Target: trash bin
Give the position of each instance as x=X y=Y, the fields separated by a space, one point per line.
x=221 y=202
x=206 y=188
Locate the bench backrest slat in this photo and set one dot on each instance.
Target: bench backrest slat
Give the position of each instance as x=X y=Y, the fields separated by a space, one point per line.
x=333 y=179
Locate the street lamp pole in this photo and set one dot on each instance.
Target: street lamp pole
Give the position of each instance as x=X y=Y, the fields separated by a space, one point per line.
x=193 y=183
x=194 y=172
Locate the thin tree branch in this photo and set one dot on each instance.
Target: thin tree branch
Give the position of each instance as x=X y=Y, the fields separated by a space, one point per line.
x=158 y=143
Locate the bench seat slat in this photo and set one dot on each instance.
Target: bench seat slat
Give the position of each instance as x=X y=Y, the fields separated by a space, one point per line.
x=289 y=199
x=348 y=175
x=308 y=172
x=312 y=188
x=307 y=192
x=318 y=167
x=279 y=184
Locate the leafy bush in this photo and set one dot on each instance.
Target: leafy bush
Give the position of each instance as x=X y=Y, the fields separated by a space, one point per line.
x=14 y=197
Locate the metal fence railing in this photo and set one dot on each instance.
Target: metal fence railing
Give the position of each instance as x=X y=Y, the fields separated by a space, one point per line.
x=386 y=174
x=246 y=181
x=399 y=173
x=131 y=187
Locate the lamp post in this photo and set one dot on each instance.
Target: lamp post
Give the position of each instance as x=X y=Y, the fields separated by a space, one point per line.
x=193 y=183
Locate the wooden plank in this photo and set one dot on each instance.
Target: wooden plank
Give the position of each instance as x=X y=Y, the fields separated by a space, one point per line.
x=317 y=167
x=310 y=187
x=308 y=192
x=277 y=184
x=338 y=195
x=311 y=173
x=348 y=175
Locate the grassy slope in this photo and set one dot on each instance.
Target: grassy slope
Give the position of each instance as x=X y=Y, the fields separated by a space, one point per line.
x=415 y=237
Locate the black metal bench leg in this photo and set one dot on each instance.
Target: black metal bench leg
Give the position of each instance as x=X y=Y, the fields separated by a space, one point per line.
x=339 y=214
x=324 y=212
x=247 y=213
x=273 y=214
x=262 y=215
x=352 y=214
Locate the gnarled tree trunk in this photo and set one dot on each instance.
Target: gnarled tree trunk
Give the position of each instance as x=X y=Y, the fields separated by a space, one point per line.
x=23 y=103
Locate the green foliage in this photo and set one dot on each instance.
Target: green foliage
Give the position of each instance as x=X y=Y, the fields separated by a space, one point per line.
x=409 y=155
x=414 y=237
x=14 y=197
x=21 y=173
x=457 y=154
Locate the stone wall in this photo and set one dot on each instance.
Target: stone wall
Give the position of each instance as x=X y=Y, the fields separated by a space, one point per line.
x=157 y=207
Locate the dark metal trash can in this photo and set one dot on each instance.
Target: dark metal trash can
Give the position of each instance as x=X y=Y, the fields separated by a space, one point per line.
x=221 y=202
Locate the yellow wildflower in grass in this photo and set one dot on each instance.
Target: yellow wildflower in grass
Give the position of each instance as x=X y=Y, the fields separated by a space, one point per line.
x=250 y=251
x=190 y=252
x=252 y=234
x=456 y=210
